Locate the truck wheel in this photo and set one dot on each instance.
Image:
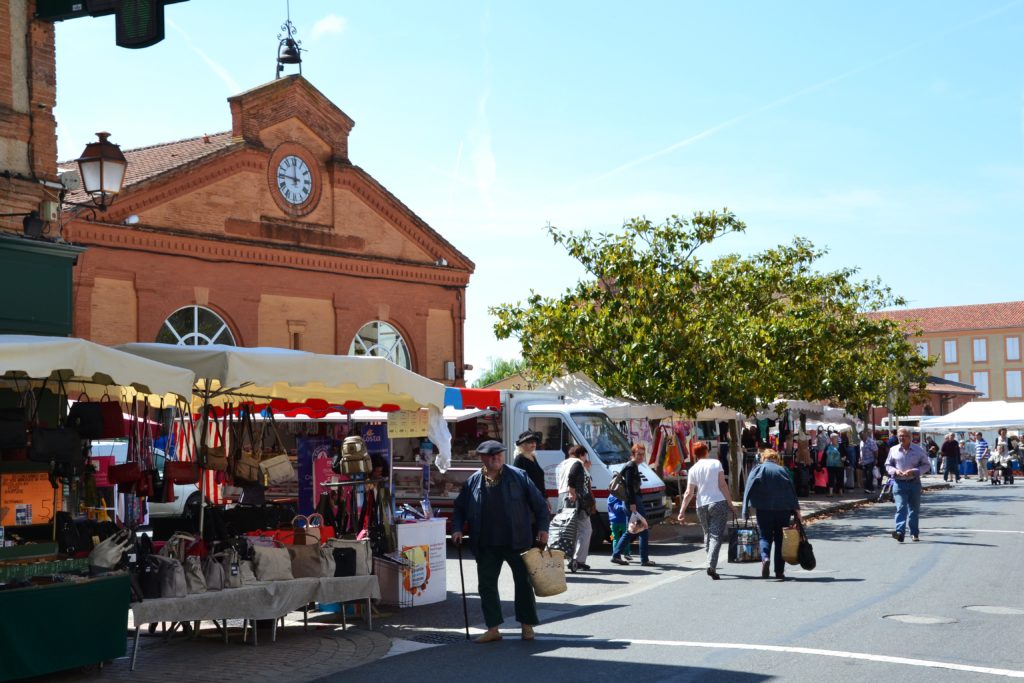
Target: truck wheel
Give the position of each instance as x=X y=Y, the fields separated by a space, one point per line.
x=602 y=532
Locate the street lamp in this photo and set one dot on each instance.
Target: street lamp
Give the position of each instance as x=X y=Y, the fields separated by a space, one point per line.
x=102 y=168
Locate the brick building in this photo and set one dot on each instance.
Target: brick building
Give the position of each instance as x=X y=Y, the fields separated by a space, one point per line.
x=978 y=345
x=268 y=235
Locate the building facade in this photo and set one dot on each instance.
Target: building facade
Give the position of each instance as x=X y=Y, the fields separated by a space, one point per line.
x=268 y=235
x=978 y=345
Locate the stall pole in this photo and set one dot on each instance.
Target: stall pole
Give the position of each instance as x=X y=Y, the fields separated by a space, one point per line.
x=462 y=579
x=202 y=473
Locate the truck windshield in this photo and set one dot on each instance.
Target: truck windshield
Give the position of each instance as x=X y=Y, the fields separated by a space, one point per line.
x=603 y=437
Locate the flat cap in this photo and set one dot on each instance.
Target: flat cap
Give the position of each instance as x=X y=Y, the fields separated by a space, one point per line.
x=490 y=448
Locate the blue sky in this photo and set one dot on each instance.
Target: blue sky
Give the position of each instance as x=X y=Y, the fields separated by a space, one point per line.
x=890 y=133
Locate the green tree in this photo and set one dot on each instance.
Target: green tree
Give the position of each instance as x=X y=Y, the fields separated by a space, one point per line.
x=657 y=324
x=500 y=369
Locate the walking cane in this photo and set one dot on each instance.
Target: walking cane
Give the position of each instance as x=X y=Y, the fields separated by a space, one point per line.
x=462 y=578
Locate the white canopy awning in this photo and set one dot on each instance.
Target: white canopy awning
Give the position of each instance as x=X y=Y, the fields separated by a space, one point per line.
x=977 y=415
x=579 y=388
x=228 y=373
x=79 y=361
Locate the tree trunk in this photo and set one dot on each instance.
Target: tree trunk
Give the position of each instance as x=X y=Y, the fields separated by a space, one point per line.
x=735 y=461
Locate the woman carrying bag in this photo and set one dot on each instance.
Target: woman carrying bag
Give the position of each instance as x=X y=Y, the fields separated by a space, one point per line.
x=770 y=491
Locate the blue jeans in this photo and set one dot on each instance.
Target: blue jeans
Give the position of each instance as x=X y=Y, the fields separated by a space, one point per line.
x=907 y=494
x=625 y=539
x=770 y=524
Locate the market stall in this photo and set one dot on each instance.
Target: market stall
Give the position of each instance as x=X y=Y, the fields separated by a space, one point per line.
x=44 y=592
x=270 y=387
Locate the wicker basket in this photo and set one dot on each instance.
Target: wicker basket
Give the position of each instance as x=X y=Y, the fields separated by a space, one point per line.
x=547 y=571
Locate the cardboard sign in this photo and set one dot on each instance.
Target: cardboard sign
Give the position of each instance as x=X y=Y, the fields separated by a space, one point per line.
x=26 y=498
x=406 y=423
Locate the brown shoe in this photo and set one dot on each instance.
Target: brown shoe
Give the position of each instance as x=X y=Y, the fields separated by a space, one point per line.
x=528 y=632
x=489 y=636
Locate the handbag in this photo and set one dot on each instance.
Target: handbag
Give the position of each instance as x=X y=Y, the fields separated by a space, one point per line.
x=214 y=457
x=344 y=560
x=180 y=472
x=213 y=573
x=110 y=553
x=246 y=465
x=273 y=563
x=790 y=545
x=13 y=429
x=171 y=577
x=55 y=445
x=305 y=560
x=743 y=543
x=275 y=465
x=247 y=572
x=362 y=562
x=546 y=569
x=231 y=562
x=307 y=529
x=125 y=476
x=195 y=579
x=805 y=553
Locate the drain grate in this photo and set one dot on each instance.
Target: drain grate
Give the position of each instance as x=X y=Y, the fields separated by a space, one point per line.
x=438 y=638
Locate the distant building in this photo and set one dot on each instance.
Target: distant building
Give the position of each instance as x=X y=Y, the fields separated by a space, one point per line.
x=977 y=345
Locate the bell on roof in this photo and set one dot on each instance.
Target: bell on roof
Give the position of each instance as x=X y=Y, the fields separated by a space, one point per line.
x=288 y=50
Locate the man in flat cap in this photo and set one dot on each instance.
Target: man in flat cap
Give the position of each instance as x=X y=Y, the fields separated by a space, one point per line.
x=496 y=502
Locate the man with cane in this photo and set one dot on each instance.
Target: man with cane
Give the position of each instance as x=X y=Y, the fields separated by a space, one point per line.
x=496 y=503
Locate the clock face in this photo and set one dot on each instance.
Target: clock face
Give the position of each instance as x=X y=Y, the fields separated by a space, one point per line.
x=294 y=180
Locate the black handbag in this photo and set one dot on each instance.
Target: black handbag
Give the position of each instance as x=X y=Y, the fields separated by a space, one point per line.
x=13 y=432
x=805 y=552
x=87 y=419
x=69 y=541
x=344 y=561
x=55 y=444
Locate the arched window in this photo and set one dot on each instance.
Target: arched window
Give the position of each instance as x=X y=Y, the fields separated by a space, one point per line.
x=380 y=339
x=195 y=326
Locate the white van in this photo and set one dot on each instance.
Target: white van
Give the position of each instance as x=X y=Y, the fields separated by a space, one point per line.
x=560 y=424
x=186 y=496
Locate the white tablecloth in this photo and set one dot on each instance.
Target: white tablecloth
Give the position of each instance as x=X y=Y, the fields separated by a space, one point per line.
x=265 y=600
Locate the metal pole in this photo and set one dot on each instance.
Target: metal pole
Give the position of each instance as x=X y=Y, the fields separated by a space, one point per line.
x=202 y=472
x=462 y=579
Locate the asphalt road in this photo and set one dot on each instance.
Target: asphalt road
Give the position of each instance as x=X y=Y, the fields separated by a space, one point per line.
x=946 y=609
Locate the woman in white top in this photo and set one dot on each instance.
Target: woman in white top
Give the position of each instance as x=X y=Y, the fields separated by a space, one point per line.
x=706 y=482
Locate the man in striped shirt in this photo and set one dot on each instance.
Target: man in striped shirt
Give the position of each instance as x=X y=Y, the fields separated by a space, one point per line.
x=981 y=454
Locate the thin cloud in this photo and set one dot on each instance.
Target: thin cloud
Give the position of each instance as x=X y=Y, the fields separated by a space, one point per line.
x=329 y=25
x=218 y=70
x=714 y=130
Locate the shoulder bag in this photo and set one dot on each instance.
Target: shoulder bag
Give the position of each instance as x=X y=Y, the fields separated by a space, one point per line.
x=276 y=466
x=359 y=551
x=805 y=553
x=246 y=467
x=272 y=563
x=213 y=457
x=213 y=573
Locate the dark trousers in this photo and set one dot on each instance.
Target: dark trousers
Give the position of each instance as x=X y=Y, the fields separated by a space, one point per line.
x=869 y=477
x=488 y=567
x=770 y=524
x=952 y=469
x=835 y=479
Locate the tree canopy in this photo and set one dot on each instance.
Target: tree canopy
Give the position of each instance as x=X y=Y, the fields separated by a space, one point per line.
x=500 y=369
x=655 y=323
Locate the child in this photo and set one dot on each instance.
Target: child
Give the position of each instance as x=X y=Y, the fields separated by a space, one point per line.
x=618 y=518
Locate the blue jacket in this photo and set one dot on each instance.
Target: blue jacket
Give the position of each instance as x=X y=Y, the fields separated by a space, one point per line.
x=521 y=498
x=769 y=488
x=617 y=511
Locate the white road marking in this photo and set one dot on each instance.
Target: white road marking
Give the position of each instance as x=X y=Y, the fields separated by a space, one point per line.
x=983 y=531
x=1007 y=673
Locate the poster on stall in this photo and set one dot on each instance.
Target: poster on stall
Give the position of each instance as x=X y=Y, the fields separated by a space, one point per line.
x=26 y=498
x=313 y=452
x=407 y=423
x=102 y=463
x=375 y=436
x=423 y=547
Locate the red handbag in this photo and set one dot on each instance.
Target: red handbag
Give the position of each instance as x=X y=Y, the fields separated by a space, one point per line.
x=181 y=472
x=126 y=476
x=114 y=425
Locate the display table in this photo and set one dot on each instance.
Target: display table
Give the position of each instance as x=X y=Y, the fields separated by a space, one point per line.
x=264 y=600
x=422 y=579
x=62 y=626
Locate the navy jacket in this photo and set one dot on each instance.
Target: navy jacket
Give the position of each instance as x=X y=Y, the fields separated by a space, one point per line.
x=521 y=498
x=769 y=488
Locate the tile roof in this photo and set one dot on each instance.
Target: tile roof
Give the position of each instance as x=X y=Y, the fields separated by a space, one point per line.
x=952 y=318
x=146 y=162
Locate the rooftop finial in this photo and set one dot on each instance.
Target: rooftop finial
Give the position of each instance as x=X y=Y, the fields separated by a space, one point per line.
x=288 y=50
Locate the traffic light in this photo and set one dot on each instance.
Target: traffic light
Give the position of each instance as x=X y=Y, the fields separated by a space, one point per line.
x=139 y=23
